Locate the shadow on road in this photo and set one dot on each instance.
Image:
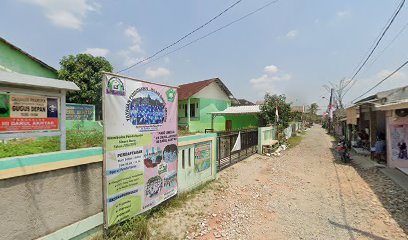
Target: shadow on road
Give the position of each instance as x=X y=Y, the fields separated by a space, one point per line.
x=392 y=197
x=364 y=233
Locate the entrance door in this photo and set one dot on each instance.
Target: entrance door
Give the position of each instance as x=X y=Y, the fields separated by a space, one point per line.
x=228 y=125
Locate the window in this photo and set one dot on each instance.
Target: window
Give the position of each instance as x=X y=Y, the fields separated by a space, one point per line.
x=192 y=110
x=185 y=110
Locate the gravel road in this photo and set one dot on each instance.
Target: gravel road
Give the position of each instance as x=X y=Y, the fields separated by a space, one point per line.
x=304 y=194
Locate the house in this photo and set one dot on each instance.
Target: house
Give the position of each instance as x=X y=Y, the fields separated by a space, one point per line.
x=14 y=59
x=197 y=100
x=384 y=113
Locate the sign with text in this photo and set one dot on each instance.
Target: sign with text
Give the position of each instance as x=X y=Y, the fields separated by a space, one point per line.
x=80 y=112
x=140 y=147
x=21 y=113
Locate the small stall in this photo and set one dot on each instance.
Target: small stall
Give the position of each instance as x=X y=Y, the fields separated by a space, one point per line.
x=32 y=106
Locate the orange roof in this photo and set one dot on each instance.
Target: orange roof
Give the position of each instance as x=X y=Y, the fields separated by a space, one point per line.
x=185 y=91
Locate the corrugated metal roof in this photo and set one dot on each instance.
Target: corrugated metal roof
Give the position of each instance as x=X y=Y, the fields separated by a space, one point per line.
x=21 y=80
x=239 y=110
x=386 y=97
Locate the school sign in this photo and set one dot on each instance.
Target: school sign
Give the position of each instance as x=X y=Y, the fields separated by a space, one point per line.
x=140 y=146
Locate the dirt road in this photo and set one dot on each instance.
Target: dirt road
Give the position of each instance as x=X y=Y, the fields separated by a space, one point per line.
x=304 y=194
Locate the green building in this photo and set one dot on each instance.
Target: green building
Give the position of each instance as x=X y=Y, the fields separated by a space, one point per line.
x=13 y=59
x=201 y=106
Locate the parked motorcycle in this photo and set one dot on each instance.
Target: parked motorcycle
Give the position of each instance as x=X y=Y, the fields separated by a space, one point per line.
x=343 y=151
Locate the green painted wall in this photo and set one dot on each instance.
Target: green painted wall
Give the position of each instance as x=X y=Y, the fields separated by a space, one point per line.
x=203 y=121
x=83 y=125
x=16 y=61
x=243 y=121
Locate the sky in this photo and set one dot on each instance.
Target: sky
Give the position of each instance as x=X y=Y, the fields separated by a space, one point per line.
x=292 y=47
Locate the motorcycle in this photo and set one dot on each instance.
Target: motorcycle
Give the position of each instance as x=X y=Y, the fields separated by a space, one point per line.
x=343 y=151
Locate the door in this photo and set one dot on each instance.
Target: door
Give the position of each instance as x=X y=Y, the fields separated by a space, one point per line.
x=228 y=125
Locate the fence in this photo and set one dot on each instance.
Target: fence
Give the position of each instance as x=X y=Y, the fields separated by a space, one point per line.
x=226 y=141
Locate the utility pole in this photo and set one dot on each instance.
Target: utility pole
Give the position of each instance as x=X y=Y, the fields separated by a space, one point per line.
x=331 y=110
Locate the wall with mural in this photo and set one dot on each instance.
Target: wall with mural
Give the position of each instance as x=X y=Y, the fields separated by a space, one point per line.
x=196 y=160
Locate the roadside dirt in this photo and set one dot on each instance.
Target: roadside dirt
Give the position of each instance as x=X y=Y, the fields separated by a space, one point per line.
x=304 y=194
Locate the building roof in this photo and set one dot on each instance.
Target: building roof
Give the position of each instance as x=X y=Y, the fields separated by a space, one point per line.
x=28 y=55
x=239 y=110
x=386 y=97
x=186 y=91
x=244 y=102
x=300 y=109
x=22 y=80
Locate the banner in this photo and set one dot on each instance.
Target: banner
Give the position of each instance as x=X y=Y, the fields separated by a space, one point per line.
x=80 y=112
x=140 y=147
x=202 y=156
x=20 y=113
x=399 y=141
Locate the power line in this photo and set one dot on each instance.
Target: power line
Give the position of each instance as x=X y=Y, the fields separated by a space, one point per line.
x=182 y=38
x=376 y=85
x=212 y=32
x=390 y=43
x=375 y=45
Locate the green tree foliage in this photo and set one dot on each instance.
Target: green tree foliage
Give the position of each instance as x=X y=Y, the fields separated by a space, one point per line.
x=268 y=110
x=313 y=108
x=85 y=71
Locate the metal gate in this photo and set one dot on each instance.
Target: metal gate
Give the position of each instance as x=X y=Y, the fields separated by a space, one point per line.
x=225 y=143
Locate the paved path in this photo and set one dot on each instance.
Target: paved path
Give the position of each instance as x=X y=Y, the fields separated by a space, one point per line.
x=304 y=194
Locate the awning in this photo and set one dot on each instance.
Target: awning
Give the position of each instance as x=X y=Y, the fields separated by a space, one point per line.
x=13 y=79
x=392 y=106
x=239 y=110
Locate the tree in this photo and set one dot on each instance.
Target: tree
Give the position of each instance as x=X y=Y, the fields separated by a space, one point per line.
x=313 y=108
x=339 y=91
x=85 y=71
x=269 y=107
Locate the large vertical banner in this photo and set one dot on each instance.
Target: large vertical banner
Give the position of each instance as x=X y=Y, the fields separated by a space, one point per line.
x=140 y=146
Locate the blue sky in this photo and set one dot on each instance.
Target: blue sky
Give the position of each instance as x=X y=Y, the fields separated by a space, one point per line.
x=292 y=47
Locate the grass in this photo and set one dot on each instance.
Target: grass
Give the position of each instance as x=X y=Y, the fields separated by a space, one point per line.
x=138 y=227
x=294 y=141
x=75 y=139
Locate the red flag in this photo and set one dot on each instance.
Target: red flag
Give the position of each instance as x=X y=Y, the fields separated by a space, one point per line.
x=277 y=113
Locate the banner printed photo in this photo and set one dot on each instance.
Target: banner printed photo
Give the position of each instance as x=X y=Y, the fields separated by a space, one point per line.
x=140 y=162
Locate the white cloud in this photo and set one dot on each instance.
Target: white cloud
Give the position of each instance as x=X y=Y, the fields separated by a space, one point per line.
x=292 y=34
x=68 y=14
x=342 y=13
x=135 y=38
x=269 y=81
x=158 y=72
x=271 y=69
x=101 y=52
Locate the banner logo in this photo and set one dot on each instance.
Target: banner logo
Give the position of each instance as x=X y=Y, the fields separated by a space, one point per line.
x=115 y=87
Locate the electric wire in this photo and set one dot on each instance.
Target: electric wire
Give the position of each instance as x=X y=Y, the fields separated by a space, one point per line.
x=383 y=80
x=388 y=25
x=212 y=32
x=182 y=38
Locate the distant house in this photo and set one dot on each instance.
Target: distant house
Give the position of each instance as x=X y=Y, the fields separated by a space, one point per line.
x=198 y=100
x=243 y=102
x=14 y=59
x=382 y=114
